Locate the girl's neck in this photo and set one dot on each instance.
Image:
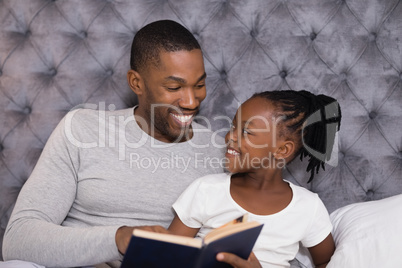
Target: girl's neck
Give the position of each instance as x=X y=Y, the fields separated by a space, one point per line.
x=270 y=179
x=261 y=194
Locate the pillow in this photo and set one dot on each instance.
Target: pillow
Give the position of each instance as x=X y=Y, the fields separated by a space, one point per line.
x=368 y=234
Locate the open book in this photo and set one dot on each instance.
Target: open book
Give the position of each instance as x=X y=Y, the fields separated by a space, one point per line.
x=151 y=250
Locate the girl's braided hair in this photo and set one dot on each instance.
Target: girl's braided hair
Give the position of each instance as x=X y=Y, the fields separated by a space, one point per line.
x=309 y=120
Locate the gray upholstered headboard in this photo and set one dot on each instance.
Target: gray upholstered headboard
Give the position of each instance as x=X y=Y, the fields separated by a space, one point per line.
x=55 y=55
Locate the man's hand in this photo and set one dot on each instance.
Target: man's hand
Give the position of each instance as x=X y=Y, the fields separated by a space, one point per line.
x=238 y=262
x=124 y=233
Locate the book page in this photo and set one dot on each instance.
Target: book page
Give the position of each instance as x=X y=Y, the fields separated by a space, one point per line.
x=228 y=230
x=243 y=218
x=170 y=238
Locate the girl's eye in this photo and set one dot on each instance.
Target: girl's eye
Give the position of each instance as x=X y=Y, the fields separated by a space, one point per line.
x=245 y=131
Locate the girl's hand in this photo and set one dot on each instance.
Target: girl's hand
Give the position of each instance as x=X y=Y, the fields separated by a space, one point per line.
x=238 y=262
x=124 y=234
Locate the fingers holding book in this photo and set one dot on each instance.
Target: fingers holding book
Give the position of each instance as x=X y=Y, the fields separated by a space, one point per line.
x=238 y=262
x=124 y=234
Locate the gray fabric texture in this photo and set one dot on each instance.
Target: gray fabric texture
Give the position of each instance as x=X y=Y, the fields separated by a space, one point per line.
x=122 y=187
x=19 y=264
x=55 y=55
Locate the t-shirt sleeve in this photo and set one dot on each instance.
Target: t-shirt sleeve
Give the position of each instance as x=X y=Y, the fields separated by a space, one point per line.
x=35 y=232
x=320 y=226
x=190 y=205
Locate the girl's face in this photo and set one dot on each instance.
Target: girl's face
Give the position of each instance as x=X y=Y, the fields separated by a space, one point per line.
x=252 y=140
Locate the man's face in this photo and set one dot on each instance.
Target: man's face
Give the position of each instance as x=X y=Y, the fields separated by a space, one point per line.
x=173 y=92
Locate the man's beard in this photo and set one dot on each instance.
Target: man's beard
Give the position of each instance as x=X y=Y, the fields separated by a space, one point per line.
x=159 y=116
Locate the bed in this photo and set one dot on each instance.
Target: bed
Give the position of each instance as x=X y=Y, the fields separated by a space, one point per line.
x=57 y=54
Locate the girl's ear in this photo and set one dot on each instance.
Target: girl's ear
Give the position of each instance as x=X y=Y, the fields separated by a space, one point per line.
x=285 y=150
x=135 y=82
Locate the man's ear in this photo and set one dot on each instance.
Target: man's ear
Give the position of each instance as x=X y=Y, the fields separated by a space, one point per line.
x=135 y=82
x=285 y=150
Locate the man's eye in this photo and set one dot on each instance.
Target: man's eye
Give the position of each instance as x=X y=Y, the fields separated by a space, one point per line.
x=173 y=88
x=200 y=86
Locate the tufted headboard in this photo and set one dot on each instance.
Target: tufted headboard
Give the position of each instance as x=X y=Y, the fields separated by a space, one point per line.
x=55 y=55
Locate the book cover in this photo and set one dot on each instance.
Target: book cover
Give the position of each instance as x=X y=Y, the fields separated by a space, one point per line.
x=153 y=250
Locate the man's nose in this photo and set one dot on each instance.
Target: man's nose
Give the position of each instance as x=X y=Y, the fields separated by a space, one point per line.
x=189 y=99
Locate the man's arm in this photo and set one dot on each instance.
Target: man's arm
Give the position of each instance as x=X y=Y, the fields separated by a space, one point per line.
x=124 y=234
x=177 y=227
x=35 y=232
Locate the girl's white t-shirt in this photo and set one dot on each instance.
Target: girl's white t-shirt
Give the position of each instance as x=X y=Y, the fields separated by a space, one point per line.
x=207 y=204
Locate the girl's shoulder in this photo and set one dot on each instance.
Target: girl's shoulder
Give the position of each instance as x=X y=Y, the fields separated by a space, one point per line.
x=210 y=182
x=213 y=179
x=209 y=185
x=302 y=194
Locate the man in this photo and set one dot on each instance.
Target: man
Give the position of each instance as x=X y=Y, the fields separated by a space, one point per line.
x=103 y=172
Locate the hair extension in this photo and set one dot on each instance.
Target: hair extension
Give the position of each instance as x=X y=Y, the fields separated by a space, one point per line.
x=297 y=108
x=163 y=35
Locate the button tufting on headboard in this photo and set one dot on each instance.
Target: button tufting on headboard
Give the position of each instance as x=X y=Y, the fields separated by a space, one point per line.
x=343 y=76
x=283 y=74
x=372 y=114
x=83 y=34
x=254 y=33
x=223 y=75
x=197 y=36
x=109 y=72
x=27 y=110
x=52 y=72
x=373 y=37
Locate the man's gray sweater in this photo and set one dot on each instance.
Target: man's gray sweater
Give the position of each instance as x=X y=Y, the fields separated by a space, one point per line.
x=97 y=172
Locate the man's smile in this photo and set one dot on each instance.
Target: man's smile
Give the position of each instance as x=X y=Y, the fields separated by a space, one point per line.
x=183 y=120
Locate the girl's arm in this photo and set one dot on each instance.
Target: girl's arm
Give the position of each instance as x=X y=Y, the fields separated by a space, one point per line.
x=322 y=252
x=177 y=227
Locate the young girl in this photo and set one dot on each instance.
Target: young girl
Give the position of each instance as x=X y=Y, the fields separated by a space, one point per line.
x=269 y=130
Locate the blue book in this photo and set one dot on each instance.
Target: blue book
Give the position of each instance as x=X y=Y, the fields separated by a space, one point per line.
x=156 y=250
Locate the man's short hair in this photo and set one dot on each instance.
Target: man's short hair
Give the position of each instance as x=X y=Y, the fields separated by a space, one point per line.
x=156 y=37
